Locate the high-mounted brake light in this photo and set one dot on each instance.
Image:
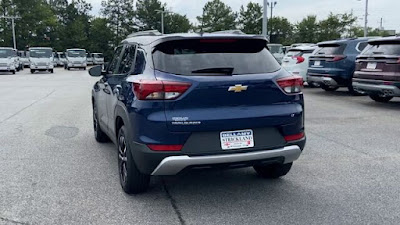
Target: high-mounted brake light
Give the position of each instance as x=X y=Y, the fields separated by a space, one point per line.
x=337 y=58
x=217 y=40
x=291 y=85
x=295 y=137
x=299 y=59
x=165 y=147
x=159 y=90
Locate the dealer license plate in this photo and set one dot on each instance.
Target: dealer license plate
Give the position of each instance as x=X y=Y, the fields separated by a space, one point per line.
x=237 y=139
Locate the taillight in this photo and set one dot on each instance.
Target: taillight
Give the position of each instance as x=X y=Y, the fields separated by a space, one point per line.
x=398 y=61
x=165 y=147
x=299 y=59
x=159 y=90
x=295 y=137
x=337 y=58
x=291 y=85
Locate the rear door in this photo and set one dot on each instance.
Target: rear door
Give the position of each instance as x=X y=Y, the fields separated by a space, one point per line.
x=233 y=85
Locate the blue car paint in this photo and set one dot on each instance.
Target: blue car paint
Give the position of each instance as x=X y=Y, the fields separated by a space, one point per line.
x=341 y=71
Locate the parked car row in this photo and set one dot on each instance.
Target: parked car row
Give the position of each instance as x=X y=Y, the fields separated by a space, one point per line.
x=45 y=59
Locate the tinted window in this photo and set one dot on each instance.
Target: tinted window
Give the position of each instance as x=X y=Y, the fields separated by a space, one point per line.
x=4 y=53
x=127 y=60
x=41 y=53
x=76 y=53
x=383 y=49
x=140 y=63
x=292 y=53
x=361 y=46
x=115 y=60
x=211 y=57
x=275 y=49
x=334 y=49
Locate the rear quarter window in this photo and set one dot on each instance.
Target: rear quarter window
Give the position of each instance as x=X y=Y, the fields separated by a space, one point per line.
x=208 y=57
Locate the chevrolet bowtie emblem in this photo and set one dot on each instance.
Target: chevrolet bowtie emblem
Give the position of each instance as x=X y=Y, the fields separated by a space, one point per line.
x=238 y=88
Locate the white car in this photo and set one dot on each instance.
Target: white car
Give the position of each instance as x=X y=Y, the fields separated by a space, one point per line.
x=41 y=59
x=8 y=62
x=296 y=61
x=76 y=58
x=98 y=58
x=277 y=51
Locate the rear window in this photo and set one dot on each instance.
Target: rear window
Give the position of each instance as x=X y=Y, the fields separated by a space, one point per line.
x=382 y=49
x=292 y=53
x=202 y=57
x=334 y=49
x=275 y=48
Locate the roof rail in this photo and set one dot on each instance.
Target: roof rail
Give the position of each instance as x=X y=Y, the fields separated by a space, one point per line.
x=145 y=33
x=228 y=32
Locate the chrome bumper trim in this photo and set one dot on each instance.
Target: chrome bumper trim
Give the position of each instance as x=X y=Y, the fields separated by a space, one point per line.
x=174 y=164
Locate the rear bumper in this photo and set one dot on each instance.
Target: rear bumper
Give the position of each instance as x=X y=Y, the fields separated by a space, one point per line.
x=376 y=87
x=328 y=81
x=174 y=164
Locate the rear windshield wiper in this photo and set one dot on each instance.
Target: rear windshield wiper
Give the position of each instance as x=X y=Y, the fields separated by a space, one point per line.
x=225 y=71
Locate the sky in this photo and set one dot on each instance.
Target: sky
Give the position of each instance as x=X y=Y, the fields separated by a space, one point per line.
x=296 y=10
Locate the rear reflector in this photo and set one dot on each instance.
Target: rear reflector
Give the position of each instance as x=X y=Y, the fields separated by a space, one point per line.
x=159 y=90
x=291 y=85
x=165 y=147
x=294 y=137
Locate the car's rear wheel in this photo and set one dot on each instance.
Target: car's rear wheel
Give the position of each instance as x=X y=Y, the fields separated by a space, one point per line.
x=13 y=72
x=131 y=179
x=32 y=71
x=329 y=88
x=51 y=71
x=273 y=171
x=380 y=98
x=99 y=135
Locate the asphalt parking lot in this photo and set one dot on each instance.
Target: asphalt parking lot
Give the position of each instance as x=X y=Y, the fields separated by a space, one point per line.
x=54 y=172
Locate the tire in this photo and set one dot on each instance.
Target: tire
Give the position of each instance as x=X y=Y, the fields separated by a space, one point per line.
x=380 y=98
x=131 y=179
x=84 y=68
x=32 y=71
x=329 y=88
x=13 y=72
x=51 y=71
x=356 y=92
x=68 y=68
x=273 y=171
x=99 y=134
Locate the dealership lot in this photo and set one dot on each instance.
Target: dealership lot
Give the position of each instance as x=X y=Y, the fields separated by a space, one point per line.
x=54 y=172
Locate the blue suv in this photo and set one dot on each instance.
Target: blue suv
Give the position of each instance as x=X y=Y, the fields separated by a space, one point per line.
x=333 y=64
x=180 y=102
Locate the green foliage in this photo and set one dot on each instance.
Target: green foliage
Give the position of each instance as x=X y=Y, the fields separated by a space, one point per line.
x=307 y=30
x=281 y=30
x=175 y=23
x=249 y=18
x=146 y=15
x=100 y=37
x=120 y=14
x=217 y=16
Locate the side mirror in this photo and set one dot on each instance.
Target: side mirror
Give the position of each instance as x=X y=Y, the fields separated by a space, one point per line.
x=96 y=71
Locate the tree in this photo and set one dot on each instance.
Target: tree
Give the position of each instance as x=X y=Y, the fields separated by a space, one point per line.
x=307 y=30
x=120 y=15
x=249 y=18
x=147 y=16
x=335 y=26
x=281 y=30
x=175 y=23
x=100 y=36
x=217 y=16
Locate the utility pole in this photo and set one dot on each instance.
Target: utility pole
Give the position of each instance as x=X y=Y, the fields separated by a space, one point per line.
x=13 y=27
x=162 y=18
x=265 y=19
x=381 y=24
x=366 y=19
x=272 y=6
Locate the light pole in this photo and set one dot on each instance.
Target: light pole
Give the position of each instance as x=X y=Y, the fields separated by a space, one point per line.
x=272 y=6
x=162 y=18
x=366 y=18
x=265 y=19
x=13 y=27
